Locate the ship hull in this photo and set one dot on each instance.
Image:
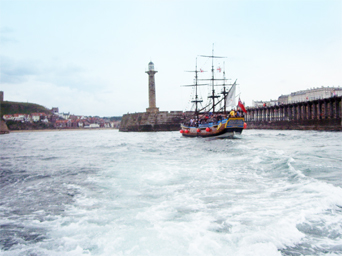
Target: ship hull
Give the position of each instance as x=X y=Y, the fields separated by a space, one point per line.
x=224 y=129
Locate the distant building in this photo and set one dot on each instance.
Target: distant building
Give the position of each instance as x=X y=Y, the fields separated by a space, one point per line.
x=264 y=103
x=55 y=111
x=36 y=117
x=273 y=102
x=64 y=115
x=92 y=126
x=17 y=117
x=20 y=117
x=283 y=99
x=63 y=124
x=310 y=94
x=1 y=96
x=301 y=96
x=257 y=103
x=8 y=117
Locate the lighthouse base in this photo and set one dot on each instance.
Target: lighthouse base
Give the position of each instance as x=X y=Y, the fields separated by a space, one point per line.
x=152 y=122
x=152 y=110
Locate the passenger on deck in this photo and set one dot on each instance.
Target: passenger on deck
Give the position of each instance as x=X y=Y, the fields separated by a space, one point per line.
x=232 y=113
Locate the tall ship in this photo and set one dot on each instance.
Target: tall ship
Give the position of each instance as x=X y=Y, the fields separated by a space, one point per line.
x=219 y=117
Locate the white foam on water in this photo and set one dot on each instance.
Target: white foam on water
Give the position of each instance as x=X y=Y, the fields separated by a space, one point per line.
x=158 y=196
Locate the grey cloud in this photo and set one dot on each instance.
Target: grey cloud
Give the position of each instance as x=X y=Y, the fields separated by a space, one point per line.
x=5 y=30
x=15 y=72
x=68 y=75
x=6 y=36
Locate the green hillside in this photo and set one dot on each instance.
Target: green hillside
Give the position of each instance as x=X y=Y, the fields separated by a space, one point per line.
x=10 y=108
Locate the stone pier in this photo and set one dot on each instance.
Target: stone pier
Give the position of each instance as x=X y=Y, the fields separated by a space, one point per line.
x=152 y=122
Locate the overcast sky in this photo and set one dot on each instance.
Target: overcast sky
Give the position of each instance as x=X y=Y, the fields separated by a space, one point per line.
x=90 y=57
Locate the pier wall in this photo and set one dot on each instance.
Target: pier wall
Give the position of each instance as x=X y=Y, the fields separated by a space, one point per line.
x=322 y=114
x=3 y=127
x=152 y=122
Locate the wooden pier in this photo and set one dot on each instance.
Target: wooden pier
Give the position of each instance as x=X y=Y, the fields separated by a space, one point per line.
x=320 y=114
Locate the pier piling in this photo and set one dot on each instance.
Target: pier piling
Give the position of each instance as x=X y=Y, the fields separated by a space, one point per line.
x=319 y=114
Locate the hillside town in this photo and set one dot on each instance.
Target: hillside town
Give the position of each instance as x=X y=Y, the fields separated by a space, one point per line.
x=52 y=119
x=63 y=120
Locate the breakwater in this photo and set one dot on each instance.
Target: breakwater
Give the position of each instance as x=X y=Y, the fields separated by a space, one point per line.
x=321 y=114
x=152 y=122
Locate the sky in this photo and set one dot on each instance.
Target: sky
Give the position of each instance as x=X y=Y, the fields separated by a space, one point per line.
x=89 y=57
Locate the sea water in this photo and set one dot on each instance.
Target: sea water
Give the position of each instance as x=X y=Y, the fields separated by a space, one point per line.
x=103 y=192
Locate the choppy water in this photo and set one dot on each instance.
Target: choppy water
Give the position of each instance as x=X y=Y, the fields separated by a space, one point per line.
x=103 y=192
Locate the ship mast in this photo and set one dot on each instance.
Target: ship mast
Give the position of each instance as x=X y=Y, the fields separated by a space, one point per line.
x=213 y=96
x=196 y=100
x=225 y=93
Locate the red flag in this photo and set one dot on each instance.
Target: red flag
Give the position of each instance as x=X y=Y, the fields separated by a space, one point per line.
x=242 y=106
x=201 y=70
x=219 y=69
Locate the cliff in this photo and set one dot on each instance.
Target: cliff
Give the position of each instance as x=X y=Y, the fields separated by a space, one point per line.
x=10 y=108
x=15 y=125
